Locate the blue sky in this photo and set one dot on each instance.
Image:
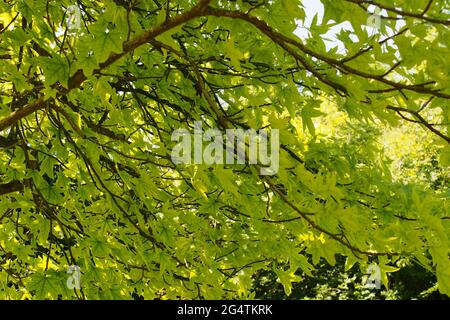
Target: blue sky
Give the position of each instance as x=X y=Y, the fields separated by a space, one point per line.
x=313 y=7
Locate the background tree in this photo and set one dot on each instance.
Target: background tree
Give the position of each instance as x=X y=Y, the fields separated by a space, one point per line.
x=87 y=114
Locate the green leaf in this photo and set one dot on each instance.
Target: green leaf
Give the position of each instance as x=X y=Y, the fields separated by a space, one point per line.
x=44 y=285
x=56 y=69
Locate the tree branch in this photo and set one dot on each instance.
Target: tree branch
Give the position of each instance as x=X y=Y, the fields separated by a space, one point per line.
x=79 y=77
x=10 y=187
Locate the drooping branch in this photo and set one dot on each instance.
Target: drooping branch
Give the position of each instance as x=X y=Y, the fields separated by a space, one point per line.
x=420 y=120
x=15 y=116
x=420 y=16
x=282 y=40
x=224 y=122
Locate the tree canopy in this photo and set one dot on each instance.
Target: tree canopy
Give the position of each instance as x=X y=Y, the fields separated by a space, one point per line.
x=89 y=102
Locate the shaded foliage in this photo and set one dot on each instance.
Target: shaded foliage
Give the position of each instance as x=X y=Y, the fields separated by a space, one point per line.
x=86 y=122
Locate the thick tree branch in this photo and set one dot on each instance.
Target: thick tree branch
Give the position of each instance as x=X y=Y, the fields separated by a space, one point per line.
x=10 y=187
x=15 y=116
x=78 y=78
x=282 y=40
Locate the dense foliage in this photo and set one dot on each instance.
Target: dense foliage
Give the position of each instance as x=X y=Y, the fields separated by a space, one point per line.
x=87 y=114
